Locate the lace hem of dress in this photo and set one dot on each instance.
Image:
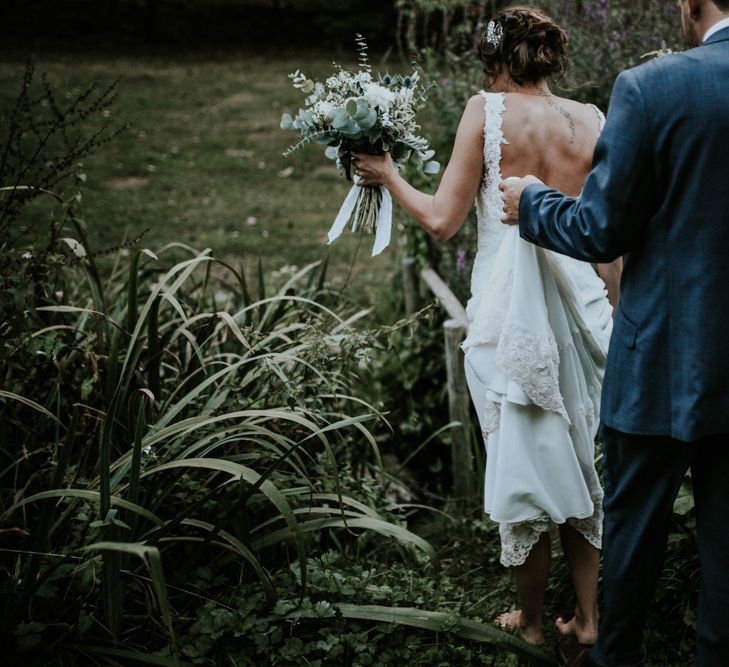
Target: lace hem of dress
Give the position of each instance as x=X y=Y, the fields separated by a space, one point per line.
x=518 y=539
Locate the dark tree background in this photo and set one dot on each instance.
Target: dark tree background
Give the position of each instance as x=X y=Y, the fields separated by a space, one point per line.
x=239 y=24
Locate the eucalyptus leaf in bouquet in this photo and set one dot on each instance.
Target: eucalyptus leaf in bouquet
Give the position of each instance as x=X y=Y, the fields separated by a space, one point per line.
x=356 y=112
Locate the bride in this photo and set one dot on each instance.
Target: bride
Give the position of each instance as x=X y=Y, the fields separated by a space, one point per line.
x=539 y=322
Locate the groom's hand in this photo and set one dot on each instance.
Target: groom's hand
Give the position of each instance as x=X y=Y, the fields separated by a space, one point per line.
x=512 y=188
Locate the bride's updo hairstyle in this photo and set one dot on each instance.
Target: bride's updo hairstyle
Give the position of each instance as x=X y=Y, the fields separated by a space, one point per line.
x=527 y=43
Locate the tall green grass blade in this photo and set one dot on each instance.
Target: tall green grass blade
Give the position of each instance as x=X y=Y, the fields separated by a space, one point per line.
x=154 y=350
x=288 y=289
x=402 y=535
x=85 y=494
x=187 y=426
x=172 y=411
x=132 y=293
x=242 y=550
x=347 y=324
x=235 y=329
x=177 y=244
x=346 y=500
x=55 y=327
x=150 y=556
x=111 y=382
x=170 y=298
x=438 y=621
x=288 y=297
x=31 y=404
x=324 y=512
x=238 y=273
x=308 y=271
x=180 y=272
x=41 y=540
x=238 y=471
x=261 y=282
x=112 y=585
x=367 y=434
x=197 y=351
x=73 y=310
x=64 y=455
x=105 y=458
x=203 y=290
x=266 y=439
x=259 y=310
x=244 y=287
x=91 y=270
x=129 y=657
x=319 y=433
x=322 y=274
x=430 y=438
x=136 y=465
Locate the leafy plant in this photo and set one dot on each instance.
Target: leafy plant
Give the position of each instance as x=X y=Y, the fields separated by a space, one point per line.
x=46 y=137
x=202 y=419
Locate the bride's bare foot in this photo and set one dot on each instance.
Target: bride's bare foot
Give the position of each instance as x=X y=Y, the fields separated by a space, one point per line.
x=513 y=620
x=584 y=631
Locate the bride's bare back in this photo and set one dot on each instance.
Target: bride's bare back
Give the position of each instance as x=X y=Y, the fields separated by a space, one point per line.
x=549 y=137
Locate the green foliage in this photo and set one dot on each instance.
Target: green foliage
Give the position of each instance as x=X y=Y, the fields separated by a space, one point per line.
x=409 y=381
x=40 y=151
x=200 y=469
x=178 y=448
x=338 y=624
x=234 y=455
x=608 y=37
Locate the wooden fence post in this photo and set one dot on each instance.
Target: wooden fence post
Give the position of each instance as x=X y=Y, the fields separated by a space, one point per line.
x=448 y=300
x=459 y=400
x=409 y=285
x=459 y=410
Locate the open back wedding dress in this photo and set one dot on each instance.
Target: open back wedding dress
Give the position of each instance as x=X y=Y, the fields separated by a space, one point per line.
x=535 y=354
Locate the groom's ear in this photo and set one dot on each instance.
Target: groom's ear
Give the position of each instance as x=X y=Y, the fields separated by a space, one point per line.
x=695 y=9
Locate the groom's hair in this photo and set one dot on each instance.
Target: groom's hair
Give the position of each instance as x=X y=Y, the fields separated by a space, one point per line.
x=722 y=4
x=531 y=46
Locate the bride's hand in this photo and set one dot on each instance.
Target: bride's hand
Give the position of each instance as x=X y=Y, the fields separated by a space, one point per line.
x=373 y=169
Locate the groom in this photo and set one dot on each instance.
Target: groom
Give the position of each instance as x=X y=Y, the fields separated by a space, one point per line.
x=658 y=193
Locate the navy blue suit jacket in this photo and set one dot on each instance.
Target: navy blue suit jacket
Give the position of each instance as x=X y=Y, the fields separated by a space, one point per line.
x=658 y=193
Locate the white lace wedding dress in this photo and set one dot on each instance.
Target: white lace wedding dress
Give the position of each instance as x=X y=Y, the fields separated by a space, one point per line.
x=535 y=352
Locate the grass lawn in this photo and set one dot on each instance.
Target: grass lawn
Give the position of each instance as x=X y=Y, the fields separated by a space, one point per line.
x=202 y=162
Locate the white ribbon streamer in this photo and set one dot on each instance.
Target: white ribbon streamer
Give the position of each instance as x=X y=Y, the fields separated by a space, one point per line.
x=345 y=213
x=384 y=223
x=384 y=218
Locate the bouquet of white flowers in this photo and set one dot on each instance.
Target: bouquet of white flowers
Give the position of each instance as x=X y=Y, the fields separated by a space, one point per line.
x=353 y=112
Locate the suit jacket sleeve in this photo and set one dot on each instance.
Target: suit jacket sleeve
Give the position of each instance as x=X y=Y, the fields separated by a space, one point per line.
x=610 y=216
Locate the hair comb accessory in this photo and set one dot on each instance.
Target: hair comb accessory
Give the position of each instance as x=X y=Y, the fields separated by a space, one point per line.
x=494 y=36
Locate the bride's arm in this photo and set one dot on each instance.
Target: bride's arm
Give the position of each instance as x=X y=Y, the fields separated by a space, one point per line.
x=443 y=213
